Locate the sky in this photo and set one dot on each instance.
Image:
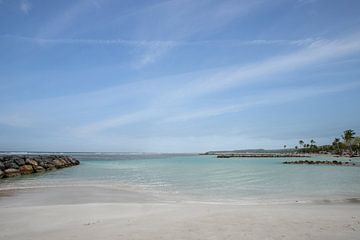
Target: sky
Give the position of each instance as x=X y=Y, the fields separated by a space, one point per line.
x=177 y=75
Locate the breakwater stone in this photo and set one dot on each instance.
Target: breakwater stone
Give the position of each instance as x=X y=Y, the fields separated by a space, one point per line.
x=15 y=165
x=310 y=162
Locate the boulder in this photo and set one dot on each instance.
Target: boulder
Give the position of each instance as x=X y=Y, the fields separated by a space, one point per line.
x=2 y=174
x=31 y=162
x=39 y=169
x=49 y=166
x=2 y=166
x=12 y=172
x=26 y=169
x=14 y=165
x=59 y=163
x=19 y=161
x=11 y=164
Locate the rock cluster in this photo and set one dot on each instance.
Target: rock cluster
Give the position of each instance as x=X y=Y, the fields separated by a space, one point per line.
x=15 y=165
x=260 y=155
x=321 y=162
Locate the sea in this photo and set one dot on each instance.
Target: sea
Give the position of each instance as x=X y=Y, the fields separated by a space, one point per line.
x=203 y=178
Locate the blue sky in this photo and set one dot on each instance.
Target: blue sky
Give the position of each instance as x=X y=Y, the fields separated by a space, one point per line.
x=177 y=76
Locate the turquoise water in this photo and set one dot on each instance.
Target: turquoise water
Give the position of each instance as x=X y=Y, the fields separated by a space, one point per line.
x=204 y=178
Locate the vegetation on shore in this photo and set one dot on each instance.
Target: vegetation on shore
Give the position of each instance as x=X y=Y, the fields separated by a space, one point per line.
x=348 y=144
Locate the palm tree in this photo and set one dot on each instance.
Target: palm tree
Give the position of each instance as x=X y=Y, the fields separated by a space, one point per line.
x=356 y=142
x=348 y=136
x=336 y=143
x=301 y=143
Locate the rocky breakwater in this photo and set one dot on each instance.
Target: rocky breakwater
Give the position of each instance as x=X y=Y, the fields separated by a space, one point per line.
x=333 y=163
x=15 y=165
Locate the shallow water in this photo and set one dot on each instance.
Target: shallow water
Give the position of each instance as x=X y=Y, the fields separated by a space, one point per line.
x=204 y=178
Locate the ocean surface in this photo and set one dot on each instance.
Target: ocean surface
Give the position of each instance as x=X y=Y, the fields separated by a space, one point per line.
x=203 y=178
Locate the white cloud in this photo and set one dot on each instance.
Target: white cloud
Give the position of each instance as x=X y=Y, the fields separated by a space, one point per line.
x=234 y=77
x=177 y=20
x=16 y=120
x=66 y=18
x=25 y=6
x=109 y=123
x=158 y=44
x=188 y=87
x=270 y=98
x=153 y=53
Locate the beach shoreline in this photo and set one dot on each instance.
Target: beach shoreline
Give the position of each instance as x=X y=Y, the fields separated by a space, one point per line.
x=136 y=215
x=180 y=221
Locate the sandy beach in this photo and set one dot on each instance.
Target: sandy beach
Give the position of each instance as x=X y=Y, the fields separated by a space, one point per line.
x=135 y=216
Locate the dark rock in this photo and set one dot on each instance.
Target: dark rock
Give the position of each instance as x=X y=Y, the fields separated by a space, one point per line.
x=2 y=166
x=19 y=161
x=2 y=174
x=50 y=166
x=14 y=165
x=11 y=164
x=332 y=163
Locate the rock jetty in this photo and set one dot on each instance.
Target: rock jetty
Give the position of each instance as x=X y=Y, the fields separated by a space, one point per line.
x=260 y=155
x=15 y=165
x=321 y=162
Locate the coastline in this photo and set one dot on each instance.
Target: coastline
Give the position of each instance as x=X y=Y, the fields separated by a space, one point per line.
x=75 y=203
x=135 y=217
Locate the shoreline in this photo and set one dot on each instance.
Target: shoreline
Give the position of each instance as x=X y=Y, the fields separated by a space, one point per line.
x=180 y=221
x=87 y=194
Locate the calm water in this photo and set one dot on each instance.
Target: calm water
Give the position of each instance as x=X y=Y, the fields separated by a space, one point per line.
x=204 y=178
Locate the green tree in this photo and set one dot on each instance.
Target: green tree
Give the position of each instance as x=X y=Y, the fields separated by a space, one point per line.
x=301 y=143
x=348 y=136
x=356 y=144
x=336 y=143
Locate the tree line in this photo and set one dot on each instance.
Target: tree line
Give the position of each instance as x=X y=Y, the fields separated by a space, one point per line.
x=347 y=144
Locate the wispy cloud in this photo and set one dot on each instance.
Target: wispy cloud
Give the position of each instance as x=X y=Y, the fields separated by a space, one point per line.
x=270 y=98
x=303 y=2
x=15 y=120
x=153 y=50
x=153 y=44
x=181 y=20
x=114 y=122
x=192 y=86
x=61 y=22
x=82 y=41
x=25 y=6
x=175 y=24
x=233 y=77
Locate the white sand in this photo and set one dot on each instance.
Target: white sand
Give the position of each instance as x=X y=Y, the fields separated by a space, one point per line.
x=180 y=221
